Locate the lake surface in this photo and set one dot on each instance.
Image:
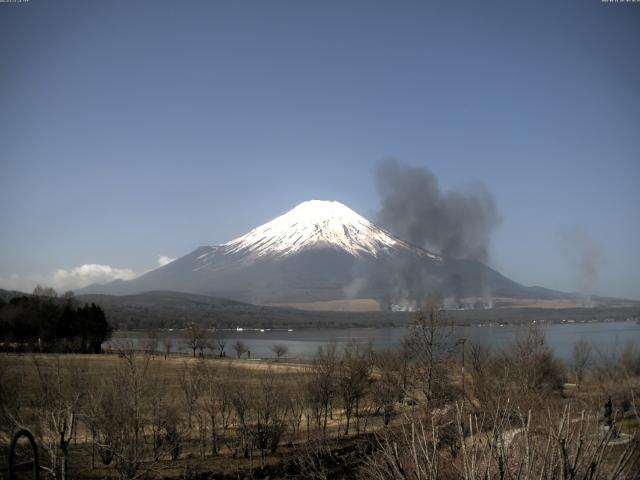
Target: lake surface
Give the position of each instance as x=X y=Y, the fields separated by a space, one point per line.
x=607 y=337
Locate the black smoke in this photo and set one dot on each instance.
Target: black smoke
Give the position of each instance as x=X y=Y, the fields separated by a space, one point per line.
x=455 y=223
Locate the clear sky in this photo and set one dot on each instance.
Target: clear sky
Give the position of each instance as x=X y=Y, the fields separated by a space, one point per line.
x=134 y=129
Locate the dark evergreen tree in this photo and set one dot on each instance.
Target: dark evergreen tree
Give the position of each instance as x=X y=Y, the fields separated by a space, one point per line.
x=47 y=323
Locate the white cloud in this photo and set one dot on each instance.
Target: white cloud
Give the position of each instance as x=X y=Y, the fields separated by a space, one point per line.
x=71 y=279
x=163 y=260
x=89 y=273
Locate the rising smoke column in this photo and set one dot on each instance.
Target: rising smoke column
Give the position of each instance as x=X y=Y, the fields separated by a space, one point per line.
x=584 y=255
x=455 y=223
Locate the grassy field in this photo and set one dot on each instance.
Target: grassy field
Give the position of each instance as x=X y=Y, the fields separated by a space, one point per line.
x=179 y=415
x=165 y=371
x=167 y=375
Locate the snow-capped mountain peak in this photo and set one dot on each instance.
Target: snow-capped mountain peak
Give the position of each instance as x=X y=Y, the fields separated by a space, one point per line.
x=318 y=251
x=312 y=224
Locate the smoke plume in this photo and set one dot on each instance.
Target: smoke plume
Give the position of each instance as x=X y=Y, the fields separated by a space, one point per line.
x=454 y=223
x=584 y=255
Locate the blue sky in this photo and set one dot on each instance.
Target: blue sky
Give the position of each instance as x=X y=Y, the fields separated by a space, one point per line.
x=130 y=130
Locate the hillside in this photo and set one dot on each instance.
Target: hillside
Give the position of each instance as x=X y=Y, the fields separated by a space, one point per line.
x=323 y=251
x=165 y=309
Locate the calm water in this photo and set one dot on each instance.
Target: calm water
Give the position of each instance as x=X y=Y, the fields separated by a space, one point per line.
x=607 y=337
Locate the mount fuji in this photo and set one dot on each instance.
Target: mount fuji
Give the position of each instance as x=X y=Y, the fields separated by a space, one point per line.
x=321 y=251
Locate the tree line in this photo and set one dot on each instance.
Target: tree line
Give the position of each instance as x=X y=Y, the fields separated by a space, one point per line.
x=46 y=322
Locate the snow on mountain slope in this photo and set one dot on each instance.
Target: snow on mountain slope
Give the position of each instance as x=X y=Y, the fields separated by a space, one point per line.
x=318 y=251
x=317 y=223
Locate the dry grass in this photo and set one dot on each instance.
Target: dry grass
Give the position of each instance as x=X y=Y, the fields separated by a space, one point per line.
x=163 y=374
x=354 y=305
x=163 y=371
x=372 y=305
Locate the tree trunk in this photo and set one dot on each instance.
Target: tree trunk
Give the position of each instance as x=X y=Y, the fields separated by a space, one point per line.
x=214 y=436
x=387 y=416
x=348 y=415
x=63 y=465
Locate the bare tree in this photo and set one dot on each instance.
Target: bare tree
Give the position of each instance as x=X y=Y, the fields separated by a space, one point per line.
x=195 y=335
x=486 y=378
x=206 y=341
x=12 y=400
x=241 y=399
x=150 y=342
x=69 y=298
x=165 y=429
x=60 y=392
x=321 y=387
x=279 y=350
x=167 y=344
x=534 y=369
x=240 y=348
x=581 y=358
x=354 y=376
x=221 y=344
x=630 y=358
x=314 y=460
x=261 y=414
x=192 y=385
x=411 y=453
x=296 y=405
x=429 y=345
x=271 y=412
x=388 y=387
x=216 y=401
x=48 y=292
x=121 y=416
x=526 y=372
x=505 y=445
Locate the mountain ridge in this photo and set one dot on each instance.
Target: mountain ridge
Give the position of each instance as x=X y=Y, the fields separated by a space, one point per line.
x=319 y=251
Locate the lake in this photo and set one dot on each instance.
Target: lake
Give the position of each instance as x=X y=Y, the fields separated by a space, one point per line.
x=606 y=337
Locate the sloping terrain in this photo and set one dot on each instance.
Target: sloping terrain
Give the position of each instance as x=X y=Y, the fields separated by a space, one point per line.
x=322 y=251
